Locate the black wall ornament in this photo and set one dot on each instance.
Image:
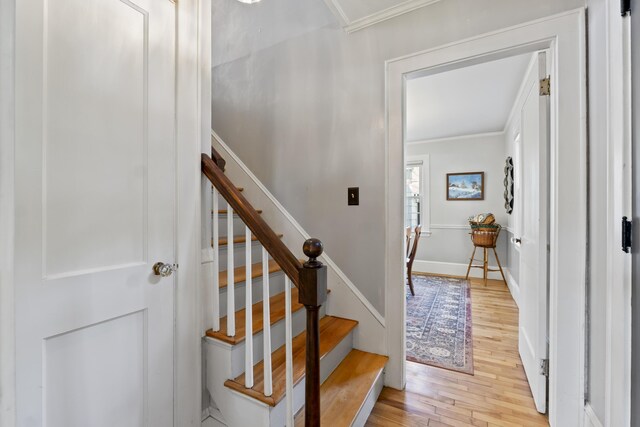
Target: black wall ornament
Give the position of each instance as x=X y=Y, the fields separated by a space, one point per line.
x=508 y=185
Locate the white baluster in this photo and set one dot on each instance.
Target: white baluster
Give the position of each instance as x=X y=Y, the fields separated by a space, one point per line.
x=289 y=352
x=231 y=305
x=215 y=300
x=266 y=321
x=248 y=348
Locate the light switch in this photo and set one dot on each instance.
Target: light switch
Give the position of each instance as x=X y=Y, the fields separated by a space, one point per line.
x=353 y=196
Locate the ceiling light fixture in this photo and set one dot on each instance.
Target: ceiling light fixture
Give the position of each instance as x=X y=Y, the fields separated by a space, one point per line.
x=249 y=1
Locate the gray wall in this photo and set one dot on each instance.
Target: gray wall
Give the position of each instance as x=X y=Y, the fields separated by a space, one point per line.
x=302 y=103
x=635 y=351
x=483 y=154
x=596 y=274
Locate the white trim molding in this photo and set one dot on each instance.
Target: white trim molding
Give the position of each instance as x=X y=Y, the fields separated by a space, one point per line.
x=425 y=190
x=563 y=35
x=325 y=258
x=457 y=137
x=590 y=417
x=192 y=115
x=452 y=269
x=450 y=227
x=351 y=26
x=513 y=286
x=619 y=204
x=7 y=207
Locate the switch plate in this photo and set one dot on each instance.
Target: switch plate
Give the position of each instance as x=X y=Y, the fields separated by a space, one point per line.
x=353 y=196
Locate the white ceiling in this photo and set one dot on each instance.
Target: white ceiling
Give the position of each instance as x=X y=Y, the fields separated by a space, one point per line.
x=464 y=101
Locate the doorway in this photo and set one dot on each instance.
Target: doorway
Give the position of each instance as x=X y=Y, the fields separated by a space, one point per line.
x=562 y=36
x=492 y=118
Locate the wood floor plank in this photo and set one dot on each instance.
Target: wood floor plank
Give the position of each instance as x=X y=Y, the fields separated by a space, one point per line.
x=344 y=392
x=497 y=394
x=332 y=331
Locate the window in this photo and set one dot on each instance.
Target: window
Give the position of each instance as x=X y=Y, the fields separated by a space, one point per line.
x=413 y=194
x=416 y=199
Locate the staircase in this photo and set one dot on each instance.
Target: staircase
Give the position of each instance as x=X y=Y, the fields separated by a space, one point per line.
x=273 y=356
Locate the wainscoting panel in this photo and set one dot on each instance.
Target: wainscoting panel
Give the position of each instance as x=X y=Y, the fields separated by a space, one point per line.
x=96 y=375
x=98 y=191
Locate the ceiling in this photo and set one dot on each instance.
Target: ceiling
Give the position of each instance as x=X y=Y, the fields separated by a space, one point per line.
x=358 y=14
x=464 y=101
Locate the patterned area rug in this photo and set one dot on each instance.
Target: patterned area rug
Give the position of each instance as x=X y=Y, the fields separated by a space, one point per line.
x=439 y=323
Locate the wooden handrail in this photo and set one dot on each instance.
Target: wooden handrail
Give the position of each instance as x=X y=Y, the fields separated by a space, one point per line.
x=217 y=159
x=310 y=277
x=265 y=235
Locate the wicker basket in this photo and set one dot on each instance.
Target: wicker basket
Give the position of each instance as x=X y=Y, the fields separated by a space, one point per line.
x=484 y=235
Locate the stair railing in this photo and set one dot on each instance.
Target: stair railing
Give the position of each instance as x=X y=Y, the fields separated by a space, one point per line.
x=309 y=277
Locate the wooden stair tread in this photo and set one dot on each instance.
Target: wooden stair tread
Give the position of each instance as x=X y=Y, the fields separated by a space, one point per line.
x=332 y=331
x=345 y=391
x=224 y=211
x=276 y=303
x=222 y=241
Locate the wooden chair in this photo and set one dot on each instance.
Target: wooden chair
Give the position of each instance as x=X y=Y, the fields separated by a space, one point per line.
x=411 y=254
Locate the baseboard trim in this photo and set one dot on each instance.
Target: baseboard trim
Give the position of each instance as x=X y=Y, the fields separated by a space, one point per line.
x=513 y=286
x=325 y=258
x=451 y=269
x=590 y=417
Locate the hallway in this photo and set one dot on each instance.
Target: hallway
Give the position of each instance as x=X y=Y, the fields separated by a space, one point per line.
x=497 y=395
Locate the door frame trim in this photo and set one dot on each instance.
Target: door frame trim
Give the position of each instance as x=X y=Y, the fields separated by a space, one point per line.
x=564 y=36
x=7 y=130
x=193 y=122
x=618 y=122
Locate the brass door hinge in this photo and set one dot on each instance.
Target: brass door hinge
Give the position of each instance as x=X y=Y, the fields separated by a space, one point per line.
x=545 y=86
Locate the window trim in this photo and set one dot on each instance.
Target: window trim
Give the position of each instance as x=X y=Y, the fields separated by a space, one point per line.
x=422 y=159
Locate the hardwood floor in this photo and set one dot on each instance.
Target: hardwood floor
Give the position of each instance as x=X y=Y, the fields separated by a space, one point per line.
x=496 y=395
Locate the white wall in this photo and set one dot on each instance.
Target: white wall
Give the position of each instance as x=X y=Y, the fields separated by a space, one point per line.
x=304 y=107
x=449 y=241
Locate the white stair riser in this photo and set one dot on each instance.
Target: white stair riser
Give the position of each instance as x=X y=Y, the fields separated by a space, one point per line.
x=256 y=413
x=239 y=254
x=276 y=286
x=238 y=225
x=236 y=352
x=327 y=365
x=298 y=324
x=370 y=401
x=238 y=411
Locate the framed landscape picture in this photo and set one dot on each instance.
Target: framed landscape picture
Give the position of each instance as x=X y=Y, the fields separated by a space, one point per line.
x=465 y=186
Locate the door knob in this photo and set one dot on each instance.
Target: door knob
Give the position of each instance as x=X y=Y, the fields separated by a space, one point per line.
x=164 y=270
x=516 y=240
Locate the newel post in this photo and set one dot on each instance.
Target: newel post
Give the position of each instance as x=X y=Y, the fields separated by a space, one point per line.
x=312 y=294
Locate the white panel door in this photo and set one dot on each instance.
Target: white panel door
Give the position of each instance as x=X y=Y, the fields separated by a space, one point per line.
x=533 y=250
x=95 y=209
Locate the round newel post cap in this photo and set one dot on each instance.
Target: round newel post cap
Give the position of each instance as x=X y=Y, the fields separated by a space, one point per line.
x=313 y=249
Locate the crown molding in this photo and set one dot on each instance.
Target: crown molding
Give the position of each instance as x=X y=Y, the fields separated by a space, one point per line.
x=351 y=26
x=458 y=137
